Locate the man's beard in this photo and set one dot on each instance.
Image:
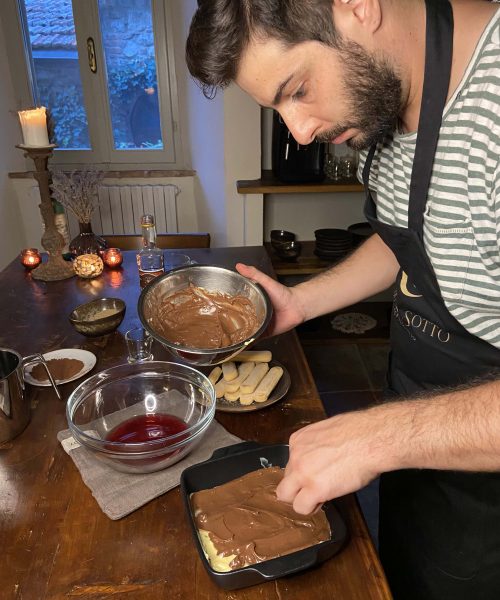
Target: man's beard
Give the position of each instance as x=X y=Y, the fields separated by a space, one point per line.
x=374 y=93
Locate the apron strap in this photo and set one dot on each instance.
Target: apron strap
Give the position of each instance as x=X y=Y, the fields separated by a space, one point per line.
x=438 y=57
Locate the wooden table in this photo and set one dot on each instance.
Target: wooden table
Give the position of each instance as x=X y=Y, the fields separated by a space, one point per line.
x=55 y=541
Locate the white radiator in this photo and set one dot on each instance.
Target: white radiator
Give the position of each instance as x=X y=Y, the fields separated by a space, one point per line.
x=121 y=206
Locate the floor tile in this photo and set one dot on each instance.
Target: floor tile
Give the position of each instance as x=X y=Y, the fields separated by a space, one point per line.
x=337 y=368
x=335 y=403
x=375 y=358
x=368 y=500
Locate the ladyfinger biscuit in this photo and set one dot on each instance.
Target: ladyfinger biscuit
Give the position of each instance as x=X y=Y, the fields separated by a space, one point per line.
x=244 y=370
x=255 y=377
x=232 y=396
x=246 y=399
x=215 y=373
x=254 y=356
x=268 y=383
x=220 y=388
x=229 y=370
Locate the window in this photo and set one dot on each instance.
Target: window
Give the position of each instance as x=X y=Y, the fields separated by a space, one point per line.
x=105 y=71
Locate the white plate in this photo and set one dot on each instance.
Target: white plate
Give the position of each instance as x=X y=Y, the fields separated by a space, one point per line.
x=88 y=359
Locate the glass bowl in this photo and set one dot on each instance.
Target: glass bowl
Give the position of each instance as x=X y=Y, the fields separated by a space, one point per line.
x=211 y=278
x=142 y=417
x=98 y=317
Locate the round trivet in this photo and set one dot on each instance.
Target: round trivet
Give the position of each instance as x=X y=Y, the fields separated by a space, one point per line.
x=353 y=323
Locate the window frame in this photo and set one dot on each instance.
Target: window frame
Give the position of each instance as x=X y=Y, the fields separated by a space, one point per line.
x=95 y=91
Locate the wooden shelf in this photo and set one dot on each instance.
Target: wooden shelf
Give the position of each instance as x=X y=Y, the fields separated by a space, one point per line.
x=268 y=184
x=306 y=264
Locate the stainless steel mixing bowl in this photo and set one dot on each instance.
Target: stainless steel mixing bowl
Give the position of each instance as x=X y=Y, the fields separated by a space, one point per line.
x=213 y=279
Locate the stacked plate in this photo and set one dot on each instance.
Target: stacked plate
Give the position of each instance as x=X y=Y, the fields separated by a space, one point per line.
x=332 y=244
x=360 y=232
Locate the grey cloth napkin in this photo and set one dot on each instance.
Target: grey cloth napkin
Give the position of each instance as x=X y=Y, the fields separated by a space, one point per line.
x=118 y=494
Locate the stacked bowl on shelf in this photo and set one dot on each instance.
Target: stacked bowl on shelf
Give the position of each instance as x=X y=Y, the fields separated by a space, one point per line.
x=332 y=244
x=360 y=232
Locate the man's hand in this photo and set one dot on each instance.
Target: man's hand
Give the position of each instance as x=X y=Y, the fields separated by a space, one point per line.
x=334 y=457
x=288 y=312
x=454 y=430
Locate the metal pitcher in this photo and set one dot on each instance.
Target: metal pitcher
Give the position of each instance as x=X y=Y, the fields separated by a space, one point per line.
x=15 y=408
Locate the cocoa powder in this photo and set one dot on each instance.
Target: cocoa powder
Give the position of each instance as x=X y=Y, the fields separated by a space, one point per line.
x=60 y=368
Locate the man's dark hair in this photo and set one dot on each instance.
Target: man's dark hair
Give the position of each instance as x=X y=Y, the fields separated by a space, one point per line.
x=221 y=30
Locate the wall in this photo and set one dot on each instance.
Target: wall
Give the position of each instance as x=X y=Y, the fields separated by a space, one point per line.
x=12 y=238
x=221 y=138
x=303 y=213
x=28 y=196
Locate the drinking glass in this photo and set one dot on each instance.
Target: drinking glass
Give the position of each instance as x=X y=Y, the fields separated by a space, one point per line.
x=175 y=260
x=139 y=344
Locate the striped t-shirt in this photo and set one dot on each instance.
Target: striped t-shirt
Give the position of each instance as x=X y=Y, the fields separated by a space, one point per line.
x=462 y=217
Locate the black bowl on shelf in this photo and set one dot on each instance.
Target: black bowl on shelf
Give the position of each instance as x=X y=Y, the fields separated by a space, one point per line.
x=333 y=235
x=279 y=236
x=360 y=232
x=288 y=250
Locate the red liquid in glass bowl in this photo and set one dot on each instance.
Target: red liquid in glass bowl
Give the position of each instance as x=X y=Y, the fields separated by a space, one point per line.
x=147 y=428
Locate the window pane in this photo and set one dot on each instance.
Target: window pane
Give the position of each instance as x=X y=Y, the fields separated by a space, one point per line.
x=128 y=40
x=56 y=74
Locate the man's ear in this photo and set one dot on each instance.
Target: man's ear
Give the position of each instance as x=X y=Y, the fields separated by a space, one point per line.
x=357 y=17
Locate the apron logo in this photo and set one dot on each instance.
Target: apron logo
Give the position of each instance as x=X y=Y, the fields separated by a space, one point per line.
x=404 y=287
x=425 y=326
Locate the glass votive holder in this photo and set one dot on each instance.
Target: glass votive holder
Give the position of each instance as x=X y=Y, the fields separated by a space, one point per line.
x=112 y=257
x=88 y=266
x=139 y=344
x=348 y=166
x=333 y=169
x=175 y=260
x=30 y=258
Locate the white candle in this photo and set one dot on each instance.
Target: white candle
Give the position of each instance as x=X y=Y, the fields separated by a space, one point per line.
x=34 y=126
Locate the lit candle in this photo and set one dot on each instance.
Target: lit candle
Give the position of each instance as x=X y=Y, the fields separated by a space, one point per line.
x=34 y=126
x=112 y=257
x=30 y=258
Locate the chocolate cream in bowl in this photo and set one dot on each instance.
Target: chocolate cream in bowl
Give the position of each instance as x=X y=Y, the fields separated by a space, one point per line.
x=242 y=522
x=198 y=318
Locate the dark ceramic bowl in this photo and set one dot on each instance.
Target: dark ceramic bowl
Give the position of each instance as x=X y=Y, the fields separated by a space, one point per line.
x=278 y=236
x=288 y=250
x=235 y=461
x=333 y=235
x=98 y=317
x=360 y=232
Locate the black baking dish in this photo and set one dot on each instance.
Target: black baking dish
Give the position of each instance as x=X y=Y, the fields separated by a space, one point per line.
x=235 y=461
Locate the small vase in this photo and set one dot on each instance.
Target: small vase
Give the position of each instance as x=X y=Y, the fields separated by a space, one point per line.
x=86 y=242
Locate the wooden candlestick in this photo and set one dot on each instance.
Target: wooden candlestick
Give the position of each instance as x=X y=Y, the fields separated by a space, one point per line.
x=56 y=267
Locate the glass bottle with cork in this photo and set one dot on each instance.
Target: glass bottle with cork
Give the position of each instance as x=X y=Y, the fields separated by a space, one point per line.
x=150 y=258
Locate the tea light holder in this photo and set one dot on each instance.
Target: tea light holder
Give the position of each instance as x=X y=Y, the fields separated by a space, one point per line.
x=112 y=257
x=88 y=266
x=30 y=258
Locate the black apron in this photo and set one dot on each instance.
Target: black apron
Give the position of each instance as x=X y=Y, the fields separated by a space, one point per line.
x=439 y=530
